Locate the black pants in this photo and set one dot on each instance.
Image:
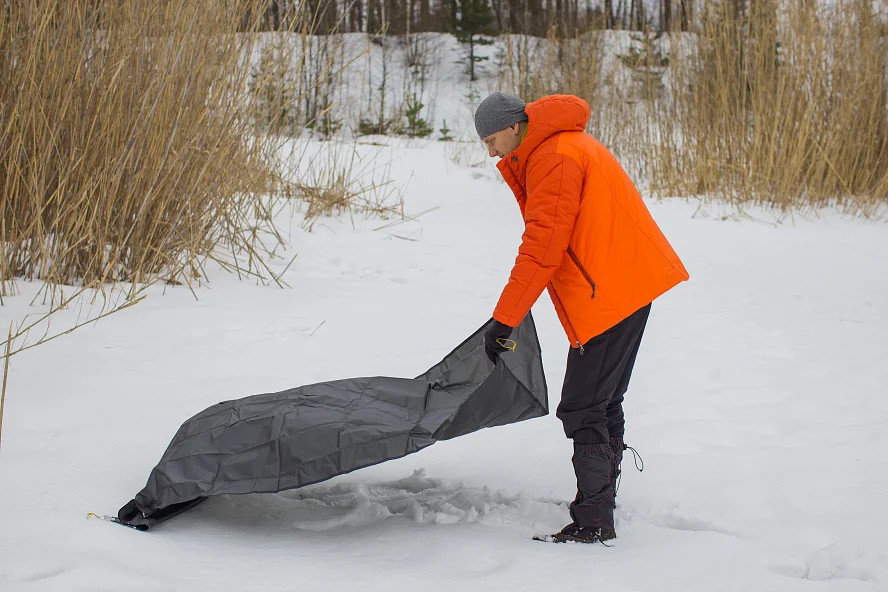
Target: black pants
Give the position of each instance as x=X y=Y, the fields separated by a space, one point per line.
x=591 y=410
x=595 y=382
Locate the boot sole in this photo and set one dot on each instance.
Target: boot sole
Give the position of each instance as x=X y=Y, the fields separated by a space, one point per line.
x=560 y=538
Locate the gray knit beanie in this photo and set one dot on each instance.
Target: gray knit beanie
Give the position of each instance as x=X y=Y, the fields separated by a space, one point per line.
x=497 y=112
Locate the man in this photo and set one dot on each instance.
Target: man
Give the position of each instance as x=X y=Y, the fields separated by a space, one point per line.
x=590 y=240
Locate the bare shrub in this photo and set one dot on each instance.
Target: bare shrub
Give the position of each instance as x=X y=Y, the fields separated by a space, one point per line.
x=346 y=178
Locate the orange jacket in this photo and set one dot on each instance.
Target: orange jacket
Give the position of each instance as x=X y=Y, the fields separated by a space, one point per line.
x=588 y=236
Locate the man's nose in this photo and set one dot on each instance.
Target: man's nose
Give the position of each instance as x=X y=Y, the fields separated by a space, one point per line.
x=491 y=151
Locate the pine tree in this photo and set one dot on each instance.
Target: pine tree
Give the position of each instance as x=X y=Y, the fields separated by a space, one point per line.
x=473 y=26
x=417 y=127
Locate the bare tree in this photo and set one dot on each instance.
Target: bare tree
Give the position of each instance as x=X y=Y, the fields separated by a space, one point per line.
x=686 y=8
x=666 y=15
x=356 y=16
x=516 y=15
x=374 y=16
x=640 y=19
x=425 y=16
x=608 y=14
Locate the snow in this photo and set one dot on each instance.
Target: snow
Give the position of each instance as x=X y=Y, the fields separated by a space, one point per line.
x=758 y=404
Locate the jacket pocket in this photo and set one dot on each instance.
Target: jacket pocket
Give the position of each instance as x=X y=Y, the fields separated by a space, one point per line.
x=582 y=269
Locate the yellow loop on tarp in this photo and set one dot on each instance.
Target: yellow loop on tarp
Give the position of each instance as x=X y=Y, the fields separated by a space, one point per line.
x=92 y=515
x=505 y=342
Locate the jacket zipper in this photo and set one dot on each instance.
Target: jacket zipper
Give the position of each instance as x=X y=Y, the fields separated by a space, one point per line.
x=582 y=269
x=569 y=324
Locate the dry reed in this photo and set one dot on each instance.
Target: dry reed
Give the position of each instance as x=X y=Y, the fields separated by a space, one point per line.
x=586 y=66
x=770 y=103
x=782 y=105
x=127 y=144
x=140 y=139
x=341 y=178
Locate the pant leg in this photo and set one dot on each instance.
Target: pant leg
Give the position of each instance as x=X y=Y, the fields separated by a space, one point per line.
x=590 y=384
x=616 y=424
x=592 y=380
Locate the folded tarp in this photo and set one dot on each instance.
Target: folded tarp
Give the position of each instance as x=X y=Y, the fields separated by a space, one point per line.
x=272 y=442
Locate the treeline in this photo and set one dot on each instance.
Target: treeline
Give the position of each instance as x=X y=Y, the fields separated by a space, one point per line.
x=531 y=17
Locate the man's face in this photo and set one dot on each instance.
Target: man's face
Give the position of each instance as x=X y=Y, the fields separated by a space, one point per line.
x=504 y=141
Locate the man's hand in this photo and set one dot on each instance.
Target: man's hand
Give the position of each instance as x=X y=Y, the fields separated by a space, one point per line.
x=496 y=331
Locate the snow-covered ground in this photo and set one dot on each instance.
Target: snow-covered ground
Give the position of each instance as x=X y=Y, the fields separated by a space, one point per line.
x=759 y=404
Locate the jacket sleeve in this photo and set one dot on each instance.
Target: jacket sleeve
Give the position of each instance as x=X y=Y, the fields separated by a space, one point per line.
x=554 y=186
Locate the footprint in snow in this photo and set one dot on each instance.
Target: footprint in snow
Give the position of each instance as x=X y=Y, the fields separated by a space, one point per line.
x=832 y=563
x=420 y=499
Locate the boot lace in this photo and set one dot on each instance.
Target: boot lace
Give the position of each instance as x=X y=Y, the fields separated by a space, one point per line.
x=600 y=540
x=639 y=466
x=639 y=462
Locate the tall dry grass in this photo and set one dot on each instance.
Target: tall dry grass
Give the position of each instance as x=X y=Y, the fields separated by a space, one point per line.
x=128 y=149
x=341 y=178
x=782 y=104
x=141 y=139
x=587 y=65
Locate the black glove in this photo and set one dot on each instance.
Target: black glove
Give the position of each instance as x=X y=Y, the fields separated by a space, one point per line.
x=496 y=331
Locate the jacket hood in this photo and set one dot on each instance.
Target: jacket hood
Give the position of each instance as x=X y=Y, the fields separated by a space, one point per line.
x=546 y=117
x=557 y=113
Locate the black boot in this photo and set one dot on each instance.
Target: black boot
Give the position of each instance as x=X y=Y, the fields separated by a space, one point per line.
x=593 y=509
x=572 y=533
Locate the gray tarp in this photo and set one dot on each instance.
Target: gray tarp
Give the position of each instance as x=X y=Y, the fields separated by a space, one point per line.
x=272 y=442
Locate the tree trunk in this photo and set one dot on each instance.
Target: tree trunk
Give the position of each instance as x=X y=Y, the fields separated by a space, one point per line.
x=425 y=23
x=372 y=18
x=686 y=8
x=497 y=6
x=395 y=16
x=514 y=9
x=472 y=58
x=324 y=16
x=575 y=17
x=535 y=23
x=666 y=15
x=357 y=16
x=275 y=15
x=608 y=14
